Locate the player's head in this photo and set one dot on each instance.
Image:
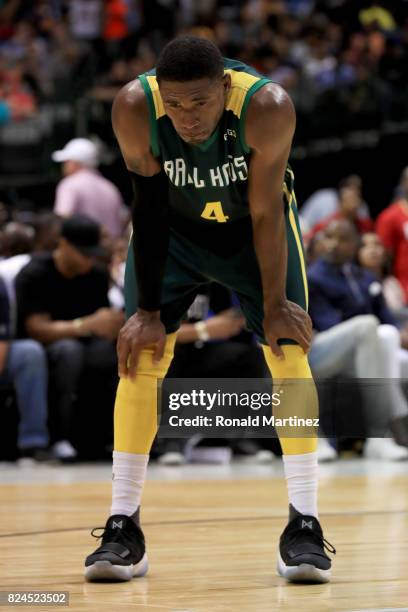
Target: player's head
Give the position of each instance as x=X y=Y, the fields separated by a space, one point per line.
x=193 y=86
x=341 y=242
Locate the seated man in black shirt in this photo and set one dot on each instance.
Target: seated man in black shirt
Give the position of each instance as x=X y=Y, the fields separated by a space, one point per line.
x=62 y=300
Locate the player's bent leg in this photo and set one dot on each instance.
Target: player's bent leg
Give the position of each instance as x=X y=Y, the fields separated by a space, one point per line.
x=301 y=555
x=122 y=553
x=135 y=415
x=293 y=376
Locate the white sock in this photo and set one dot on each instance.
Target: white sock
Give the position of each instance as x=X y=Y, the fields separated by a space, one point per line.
x=128 y=477
x=301 y=472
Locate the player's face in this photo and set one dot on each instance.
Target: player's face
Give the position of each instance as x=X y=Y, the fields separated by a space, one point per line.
x=341 y=243
x=195 y=107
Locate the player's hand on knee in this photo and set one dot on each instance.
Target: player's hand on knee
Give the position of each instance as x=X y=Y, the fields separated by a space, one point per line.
x=140 y=330
x=287 y=320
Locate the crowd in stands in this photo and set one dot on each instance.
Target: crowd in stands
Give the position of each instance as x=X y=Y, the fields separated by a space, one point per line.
x=343 y=62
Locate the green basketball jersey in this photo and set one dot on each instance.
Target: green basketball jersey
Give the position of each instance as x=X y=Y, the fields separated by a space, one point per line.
x=208 y=183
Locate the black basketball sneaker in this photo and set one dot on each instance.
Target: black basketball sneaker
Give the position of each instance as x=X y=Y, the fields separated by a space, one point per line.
x=301 y=556
x=122 y=554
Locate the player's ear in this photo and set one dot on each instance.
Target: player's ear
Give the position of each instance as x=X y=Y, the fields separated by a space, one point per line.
x=226 y=82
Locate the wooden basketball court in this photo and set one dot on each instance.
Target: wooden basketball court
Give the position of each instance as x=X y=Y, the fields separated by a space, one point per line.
x=211 y=540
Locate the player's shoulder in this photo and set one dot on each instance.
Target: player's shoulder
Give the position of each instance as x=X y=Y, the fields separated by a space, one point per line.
x=131 y=95
x=270 y=113
x=130 y=103
x=130 y=121
x=270 y=98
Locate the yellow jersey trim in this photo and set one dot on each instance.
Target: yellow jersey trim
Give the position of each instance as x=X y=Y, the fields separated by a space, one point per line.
x=157 y=99
x=241 y=83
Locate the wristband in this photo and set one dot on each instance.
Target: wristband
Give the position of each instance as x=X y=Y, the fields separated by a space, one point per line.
x=151 y=230
x=202 y=331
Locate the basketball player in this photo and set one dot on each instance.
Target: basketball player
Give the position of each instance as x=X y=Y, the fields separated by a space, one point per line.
x=206 y=141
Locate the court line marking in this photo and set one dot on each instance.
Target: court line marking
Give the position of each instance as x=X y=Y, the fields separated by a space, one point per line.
x=238 y=519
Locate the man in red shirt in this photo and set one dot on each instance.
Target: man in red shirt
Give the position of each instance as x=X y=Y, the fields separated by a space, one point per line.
x=392 y=228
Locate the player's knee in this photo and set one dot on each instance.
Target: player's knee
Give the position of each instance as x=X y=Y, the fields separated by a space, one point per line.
x=146 y=366
x=294 y=365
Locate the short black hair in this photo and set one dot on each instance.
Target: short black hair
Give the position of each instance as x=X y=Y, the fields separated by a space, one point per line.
x=188 y=58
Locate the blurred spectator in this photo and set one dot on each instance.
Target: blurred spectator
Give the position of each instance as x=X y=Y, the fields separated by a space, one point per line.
x=63 y=303
x=47 y=228
x=4 y=214
x=324 y=203
x=19 y=241
x=5 y=113
x=373 y=257
x=17 y=244
x=85 y=18
x=348 y=309
x=24 y=365
x=349 y=205
x=316 y=247
x=117 y=272
x=378 y=16
x=392 y=227
x=67 y=67
x=86 y=192
x=18 y=238
x=343 y=63
x=18 y=100
x=116 y=28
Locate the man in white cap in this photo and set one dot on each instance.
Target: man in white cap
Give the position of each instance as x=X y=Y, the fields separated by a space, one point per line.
x=84 y=191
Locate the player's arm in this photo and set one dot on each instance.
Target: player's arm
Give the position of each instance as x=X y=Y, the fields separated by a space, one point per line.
x=130 y=120
x=270 y=126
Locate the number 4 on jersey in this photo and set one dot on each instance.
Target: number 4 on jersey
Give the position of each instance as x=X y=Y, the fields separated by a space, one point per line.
x=213 y=212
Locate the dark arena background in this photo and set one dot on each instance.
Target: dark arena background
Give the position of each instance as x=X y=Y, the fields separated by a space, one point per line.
x=213 y=507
